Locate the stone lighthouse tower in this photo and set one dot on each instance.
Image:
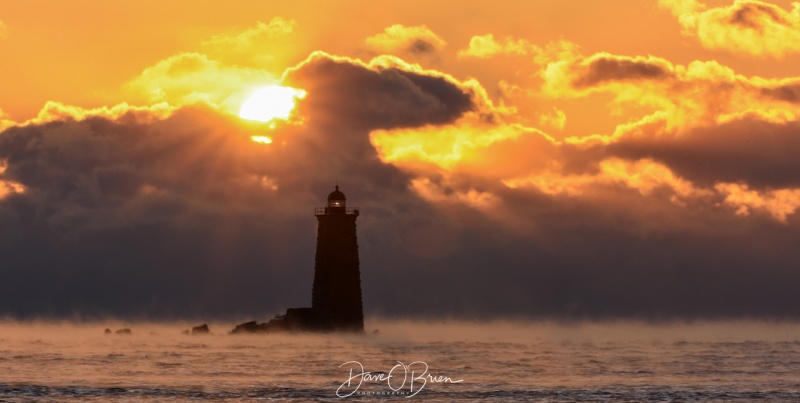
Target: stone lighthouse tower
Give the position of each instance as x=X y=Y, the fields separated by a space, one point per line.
x=336 y=297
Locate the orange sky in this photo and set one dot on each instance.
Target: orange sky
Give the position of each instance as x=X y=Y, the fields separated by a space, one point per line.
x=641 y=116
x=59 y=51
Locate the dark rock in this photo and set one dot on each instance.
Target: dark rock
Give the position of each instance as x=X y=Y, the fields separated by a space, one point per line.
x=250 y=327
x=278 y=324
x=123 y=331
x=108 y=331
x=202 y=329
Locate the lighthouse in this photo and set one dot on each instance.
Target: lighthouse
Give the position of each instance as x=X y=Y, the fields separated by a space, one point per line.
x=336 y=294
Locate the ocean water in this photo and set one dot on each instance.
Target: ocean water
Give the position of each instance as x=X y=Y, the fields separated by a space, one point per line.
x=405 y=361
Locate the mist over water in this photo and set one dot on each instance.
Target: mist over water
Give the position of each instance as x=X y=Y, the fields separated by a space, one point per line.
x=492 y=361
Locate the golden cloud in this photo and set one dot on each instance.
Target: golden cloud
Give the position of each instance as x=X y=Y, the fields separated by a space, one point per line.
x=434 y=191
x=444 y=146
x=56 y=111
x=247 y=39
x=8 y=187
x=747 y=27
x=401 y=39
x=264 y=45
x=778 y=203
x=470 y=145
x=645 y=176
x=700 y=93
x=485 y=46
x=230 y=67
x=649 y=177
x=190 y=78
x=557 y=119
x=3 y=30
x=5 y=121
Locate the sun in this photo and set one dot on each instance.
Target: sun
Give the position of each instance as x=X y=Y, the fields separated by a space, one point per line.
x=270 y=103
x=261 y=139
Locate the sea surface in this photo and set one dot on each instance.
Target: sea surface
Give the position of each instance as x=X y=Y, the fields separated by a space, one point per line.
x=405 y=361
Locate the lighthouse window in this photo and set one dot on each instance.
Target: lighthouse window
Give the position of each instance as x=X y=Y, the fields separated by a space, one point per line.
x=337 y=203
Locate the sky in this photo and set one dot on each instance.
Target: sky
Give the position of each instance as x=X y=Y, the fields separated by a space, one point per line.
x=619 y=159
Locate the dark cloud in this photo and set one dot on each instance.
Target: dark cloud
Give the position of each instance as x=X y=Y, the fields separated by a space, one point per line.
x=760 y=153
x=421 y=46
x=750 y=14
x=788 y=93
x=347 y=93
x=603 y=68
x=593 y=257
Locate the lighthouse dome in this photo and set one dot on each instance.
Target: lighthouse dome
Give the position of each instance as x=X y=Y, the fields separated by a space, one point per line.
x=336 y=195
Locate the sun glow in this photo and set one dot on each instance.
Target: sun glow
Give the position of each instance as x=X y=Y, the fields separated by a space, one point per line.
x=261 y=139
x=270 y=103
